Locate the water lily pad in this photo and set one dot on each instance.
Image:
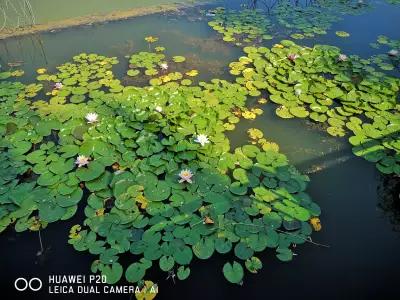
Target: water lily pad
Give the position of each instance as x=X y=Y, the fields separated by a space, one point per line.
x=93 y=171
x=253 y=264
x=233 y=272
x=183 y=273
x=178 y=59
x=135 y=272
x=342 y=33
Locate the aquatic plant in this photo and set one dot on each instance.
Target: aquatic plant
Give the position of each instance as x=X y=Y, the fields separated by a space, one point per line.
x=150 y=40
x=349 y=97
x=393 y=52
x=251 y=26
x=342 y=34
x=192 y=73
x=244 y=26
x=164 y=66
x=148 y=62
x=91 y=117
x=58 y=85
x=342 y=57
x=152 y=190
x=41 y=71
x=394 y=2
x=389 y=60
x=293 y=56
x=185 y=176
x=82 y=160
x=304 y=21
x=202 y=139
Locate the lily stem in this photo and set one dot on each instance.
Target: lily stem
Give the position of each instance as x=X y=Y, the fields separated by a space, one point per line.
x=41 y=243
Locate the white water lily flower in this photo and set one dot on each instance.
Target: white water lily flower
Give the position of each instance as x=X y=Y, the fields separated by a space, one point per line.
x=297 y=92
x=393 y=52
x=82 y=160
x=158 y=108
x=202 y=139
x=185 y=175
x=164 y=66
x=58 y=85
x=91 y=118
x=342 y=57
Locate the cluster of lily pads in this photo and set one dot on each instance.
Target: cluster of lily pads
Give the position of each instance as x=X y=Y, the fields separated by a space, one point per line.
x=389 y=60
x=316 y=17
x=153 y=167
x=240 y=27
x=344 y=92
x=304 y=22
x=252 y=26
x=155 y=65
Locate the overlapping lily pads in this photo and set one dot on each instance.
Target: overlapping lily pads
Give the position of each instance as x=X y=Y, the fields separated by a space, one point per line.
x=346 y=93
x=163 y=184
x=241 y=27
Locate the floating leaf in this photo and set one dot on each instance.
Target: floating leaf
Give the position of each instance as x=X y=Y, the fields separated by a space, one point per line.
x=233 y=272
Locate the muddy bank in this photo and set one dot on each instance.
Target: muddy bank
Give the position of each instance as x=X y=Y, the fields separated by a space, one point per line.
x=92 y=19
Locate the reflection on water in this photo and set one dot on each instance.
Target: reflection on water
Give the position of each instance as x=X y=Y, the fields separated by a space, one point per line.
x=210 y=44
x=389 y=199
x=26 y=12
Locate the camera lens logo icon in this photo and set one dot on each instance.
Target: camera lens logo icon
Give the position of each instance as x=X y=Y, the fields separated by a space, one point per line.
x=34 y=284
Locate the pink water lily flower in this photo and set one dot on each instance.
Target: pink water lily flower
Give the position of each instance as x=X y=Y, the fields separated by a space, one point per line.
x=185 y=176
x=293 y=56
x=58 y=85
x=82 y=160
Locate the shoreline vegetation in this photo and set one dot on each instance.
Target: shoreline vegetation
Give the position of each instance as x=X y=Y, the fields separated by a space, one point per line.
x=115 y=15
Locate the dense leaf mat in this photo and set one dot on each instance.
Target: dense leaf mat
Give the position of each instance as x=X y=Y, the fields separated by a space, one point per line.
x=152 y=165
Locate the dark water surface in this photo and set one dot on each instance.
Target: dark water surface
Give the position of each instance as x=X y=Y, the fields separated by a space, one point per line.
x=363 y=260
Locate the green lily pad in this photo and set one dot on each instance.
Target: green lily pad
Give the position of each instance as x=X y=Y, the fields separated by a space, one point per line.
x=233 y=272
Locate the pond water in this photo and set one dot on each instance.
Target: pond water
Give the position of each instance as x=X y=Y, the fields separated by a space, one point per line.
x=362 y=261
